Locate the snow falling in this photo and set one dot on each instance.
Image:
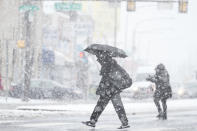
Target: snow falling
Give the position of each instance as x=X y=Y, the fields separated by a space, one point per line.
x=98 y=65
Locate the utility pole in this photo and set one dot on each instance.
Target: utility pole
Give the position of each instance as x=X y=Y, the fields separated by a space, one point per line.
x=27 y=73
x=27 y=59
x=28 y=10
x=7 y=64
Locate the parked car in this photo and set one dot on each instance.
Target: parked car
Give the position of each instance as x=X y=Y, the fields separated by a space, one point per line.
x=186 y=90
x=141 y=88
x=44 y=89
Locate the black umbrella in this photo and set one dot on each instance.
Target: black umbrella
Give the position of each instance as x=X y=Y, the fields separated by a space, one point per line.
x=112 y=51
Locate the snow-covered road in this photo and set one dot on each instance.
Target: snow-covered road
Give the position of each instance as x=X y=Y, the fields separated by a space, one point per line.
x=178 y=121
x=182 y=116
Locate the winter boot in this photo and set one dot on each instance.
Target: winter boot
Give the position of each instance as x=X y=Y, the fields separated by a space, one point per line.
x=123 y=126
x=160 y=115
x=89 y=123
x=164 y=116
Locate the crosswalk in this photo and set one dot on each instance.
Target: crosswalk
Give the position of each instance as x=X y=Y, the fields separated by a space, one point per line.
x=47 y=124
x=184 y=121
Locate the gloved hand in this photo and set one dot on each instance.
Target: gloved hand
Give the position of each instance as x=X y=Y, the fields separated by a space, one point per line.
x=149 y=78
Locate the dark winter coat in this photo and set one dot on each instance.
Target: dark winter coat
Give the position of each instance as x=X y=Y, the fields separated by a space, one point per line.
x=162 y=82
x=114 y=79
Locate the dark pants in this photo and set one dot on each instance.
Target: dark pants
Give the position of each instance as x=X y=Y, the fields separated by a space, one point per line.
x=164 y=105
x=117 y=103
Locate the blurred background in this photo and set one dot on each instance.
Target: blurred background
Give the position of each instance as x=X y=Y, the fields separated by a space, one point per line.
x=42 y=42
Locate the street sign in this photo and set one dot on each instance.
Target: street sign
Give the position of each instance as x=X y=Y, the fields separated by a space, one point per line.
x=48 y=57
x=28 y=8
x=62 y=6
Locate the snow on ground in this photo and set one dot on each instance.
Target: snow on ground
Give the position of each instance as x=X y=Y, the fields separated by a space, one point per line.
x=8 y=108
x=40 y=108
x=130 y=107
x=39 y=115
x=10 y=100
x=177 y=121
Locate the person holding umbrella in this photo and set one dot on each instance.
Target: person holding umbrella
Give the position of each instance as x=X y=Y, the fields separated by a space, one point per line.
x=114 y=80
x=163 y=89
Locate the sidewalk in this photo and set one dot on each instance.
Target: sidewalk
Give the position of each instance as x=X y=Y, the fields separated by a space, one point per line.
x=43 y=107
x=131 y=108
x=60 y=116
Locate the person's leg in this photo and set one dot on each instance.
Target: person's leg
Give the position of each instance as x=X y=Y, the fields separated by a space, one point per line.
x=119 y=108
x=100 y=106
x=156 y=101
x=164 y=104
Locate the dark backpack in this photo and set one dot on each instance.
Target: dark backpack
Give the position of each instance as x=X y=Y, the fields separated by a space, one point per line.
x=120 y=78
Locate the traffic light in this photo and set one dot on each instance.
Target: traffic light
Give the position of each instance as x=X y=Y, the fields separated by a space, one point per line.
x=21 y=44
x=131 y=5
x=81 y=55
x=183 y=6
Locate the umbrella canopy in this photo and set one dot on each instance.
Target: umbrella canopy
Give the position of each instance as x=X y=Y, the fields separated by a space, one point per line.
x=112 y=51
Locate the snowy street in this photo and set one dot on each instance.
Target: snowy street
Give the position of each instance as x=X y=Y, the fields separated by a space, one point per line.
x=110 y=64
x=182 y=116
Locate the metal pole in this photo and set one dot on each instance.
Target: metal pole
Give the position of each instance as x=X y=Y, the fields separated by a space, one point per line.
x=13 y=64
x=1 y=56
x=115 y=24
x=126 y=32
x=7 y=60
x=27 y=74
x=196 y=75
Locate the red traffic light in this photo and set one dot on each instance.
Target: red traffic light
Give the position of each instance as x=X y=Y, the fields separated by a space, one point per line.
x=81 y=54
